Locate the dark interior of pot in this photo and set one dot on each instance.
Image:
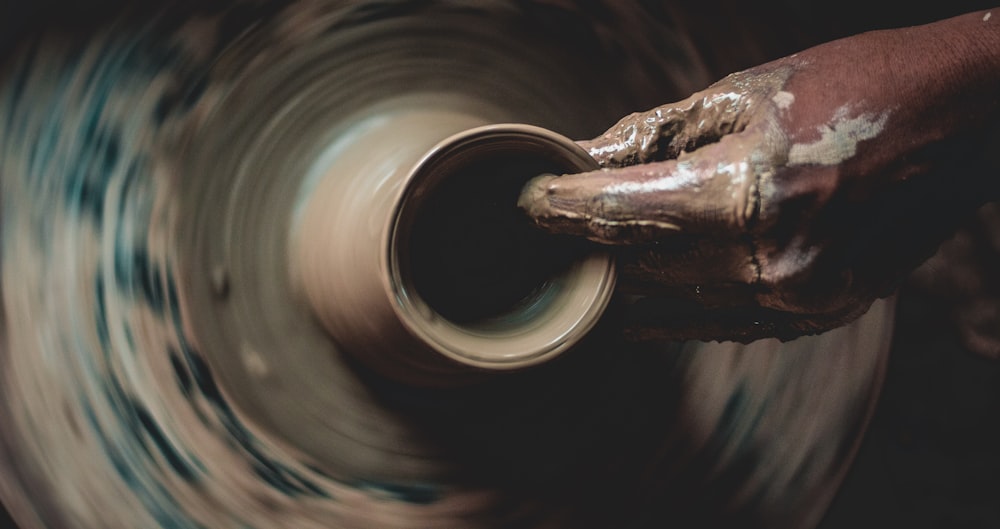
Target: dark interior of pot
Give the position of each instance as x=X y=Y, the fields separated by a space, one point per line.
x=494 y=264
x=159 y=370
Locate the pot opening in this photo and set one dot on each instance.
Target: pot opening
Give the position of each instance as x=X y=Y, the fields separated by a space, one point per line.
x=474 y=257
x=470 y=274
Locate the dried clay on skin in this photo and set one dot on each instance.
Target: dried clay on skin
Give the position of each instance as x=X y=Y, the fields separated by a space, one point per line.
x=839 y=140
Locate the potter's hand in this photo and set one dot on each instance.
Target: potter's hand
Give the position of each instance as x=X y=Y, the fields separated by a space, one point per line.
x=785 y=199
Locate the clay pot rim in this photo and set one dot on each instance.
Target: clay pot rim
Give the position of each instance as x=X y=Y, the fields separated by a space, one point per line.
x=597 y=272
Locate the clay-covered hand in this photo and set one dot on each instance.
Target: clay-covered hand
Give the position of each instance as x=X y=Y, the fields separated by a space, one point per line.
x=784 y=199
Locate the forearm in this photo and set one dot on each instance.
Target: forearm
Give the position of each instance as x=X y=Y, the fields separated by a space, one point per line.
x=956 y=64
x=965 y=51
x=938 y=86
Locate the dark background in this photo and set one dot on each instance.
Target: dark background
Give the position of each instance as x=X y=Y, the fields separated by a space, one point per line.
x=931 y=456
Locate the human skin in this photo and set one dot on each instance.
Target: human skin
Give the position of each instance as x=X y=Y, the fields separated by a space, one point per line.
x=785 y=199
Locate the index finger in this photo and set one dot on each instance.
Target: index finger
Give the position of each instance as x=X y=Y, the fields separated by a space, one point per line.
x=712 y=190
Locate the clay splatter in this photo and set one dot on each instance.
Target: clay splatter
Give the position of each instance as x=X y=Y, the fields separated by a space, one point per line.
x=783 y=99
x=839 y=139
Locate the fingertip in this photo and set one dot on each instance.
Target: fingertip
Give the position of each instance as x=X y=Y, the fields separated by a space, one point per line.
x=560 y=204
x=533 y=198
x=579 y=205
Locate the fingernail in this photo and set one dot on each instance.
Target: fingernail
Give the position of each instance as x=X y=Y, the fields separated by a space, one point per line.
x=534 y=196
x=554 y=202
x=561 y=204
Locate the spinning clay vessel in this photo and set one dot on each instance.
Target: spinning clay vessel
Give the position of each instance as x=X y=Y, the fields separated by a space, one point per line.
x=262 y=267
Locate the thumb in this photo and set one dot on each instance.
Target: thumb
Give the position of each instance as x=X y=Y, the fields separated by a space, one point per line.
x=709 y=191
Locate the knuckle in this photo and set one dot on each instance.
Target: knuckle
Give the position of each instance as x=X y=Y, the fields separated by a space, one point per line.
x=791 y=281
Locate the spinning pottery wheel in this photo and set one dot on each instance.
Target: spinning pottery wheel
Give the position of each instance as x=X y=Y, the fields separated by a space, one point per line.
x=183 y=197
